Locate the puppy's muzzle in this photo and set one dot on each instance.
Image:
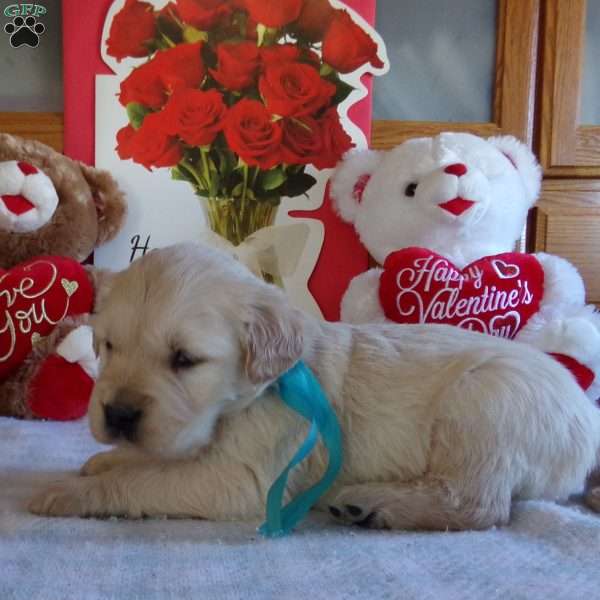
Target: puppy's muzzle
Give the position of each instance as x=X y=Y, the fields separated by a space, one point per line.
x=123 y=415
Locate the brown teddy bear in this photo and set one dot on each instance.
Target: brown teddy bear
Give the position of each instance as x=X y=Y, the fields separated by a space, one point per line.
x=53 y=212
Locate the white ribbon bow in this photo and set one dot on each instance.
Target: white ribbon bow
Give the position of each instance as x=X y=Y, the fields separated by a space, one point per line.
x=275 y=250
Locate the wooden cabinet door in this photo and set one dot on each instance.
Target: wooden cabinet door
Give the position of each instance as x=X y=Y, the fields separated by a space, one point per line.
x=568 y=146
x=566 y=221
x=513 y=78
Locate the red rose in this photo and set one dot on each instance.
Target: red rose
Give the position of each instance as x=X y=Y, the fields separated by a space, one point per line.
x=169 y=12
x=195 y=116
x=153 y=82
x=202 y=14
x=294 y=89
x=336 y=142
x=253 y=135
x=145 y=86
x=314 y=19
x=347 y=46
x=124 y=140
x=302 y=141
x=274 y=13
x=237 y=65
x=279 y=53
x=152 y=146
x=131 y=29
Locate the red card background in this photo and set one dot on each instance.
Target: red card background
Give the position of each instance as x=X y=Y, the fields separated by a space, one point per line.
x=342 y=256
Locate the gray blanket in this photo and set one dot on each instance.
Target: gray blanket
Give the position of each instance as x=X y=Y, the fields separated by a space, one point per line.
x=548 y=551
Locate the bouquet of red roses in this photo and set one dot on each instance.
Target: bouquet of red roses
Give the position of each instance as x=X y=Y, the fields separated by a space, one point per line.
x=237 y=97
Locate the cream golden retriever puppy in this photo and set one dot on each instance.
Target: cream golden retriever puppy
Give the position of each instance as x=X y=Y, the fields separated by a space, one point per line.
x=442 y=427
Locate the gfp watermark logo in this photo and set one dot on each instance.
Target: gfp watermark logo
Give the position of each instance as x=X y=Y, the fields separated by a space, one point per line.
x=25 y=27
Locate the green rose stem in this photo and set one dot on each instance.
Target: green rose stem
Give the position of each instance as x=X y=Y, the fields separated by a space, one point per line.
x=244 y=193
x=167 y=40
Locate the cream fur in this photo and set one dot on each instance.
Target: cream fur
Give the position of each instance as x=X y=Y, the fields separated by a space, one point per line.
x=442 y=427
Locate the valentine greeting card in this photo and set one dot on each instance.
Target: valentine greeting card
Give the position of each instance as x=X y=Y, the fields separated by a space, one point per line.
x=222 y=121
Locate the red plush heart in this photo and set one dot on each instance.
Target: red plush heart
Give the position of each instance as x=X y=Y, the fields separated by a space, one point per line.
x=34 y=297
x=496 y=294
x=60 y=390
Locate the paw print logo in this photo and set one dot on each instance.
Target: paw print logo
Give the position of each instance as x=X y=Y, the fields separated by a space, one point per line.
x=24 y=32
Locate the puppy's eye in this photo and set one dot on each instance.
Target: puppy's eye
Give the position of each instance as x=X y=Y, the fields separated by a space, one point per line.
x=411 y=189
x=108 y=345
x=181 y=360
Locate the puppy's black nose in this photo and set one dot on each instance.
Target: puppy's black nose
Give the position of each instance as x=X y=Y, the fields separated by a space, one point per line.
x=121 y=420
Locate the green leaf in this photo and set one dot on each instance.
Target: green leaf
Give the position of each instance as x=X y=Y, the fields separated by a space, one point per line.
x=193 y=35
x=177 y=175
x=326 y=70
x=237 y=190
x=271 y=180
x=298 y=184
x=343 y=90
x=136 y=113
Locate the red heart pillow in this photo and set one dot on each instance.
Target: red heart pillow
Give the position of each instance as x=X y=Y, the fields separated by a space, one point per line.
x=34 y=297
x=496 y=294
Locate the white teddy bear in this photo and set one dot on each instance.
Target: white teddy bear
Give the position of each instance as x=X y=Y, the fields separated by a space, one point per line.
x=443 y=216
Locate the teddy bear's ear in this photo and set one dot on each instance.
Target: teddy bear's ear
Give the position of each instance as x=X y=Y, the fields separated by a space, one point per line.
x=109 y=200
x=102 y=282
x=523 y=160
x=350 y=179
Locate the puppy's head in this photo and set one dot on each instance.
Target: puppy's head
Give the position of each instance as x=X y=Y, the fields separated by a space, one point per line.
x=185 y=335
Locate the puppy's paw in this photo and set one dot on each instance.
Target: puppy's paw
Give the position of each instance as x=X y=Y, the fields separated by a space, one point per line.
x=69 y=498
x=352 y=509
x=100 y=463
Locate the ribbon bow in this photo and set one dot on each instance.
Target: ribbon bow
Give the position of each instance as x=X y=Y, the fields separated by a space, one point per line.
x=275 y=250
x=300 y=390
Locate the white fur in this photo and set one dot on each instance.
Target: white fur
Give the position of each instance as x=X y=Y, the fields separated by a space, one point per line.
x=11 y=178
x=37 y=188
x=356 y=163
x=442 y=427
x=78 y=347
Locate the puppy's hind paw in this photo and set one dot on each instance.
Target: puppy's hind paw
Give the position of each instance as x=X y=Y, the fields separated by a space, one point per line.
x=350 y=514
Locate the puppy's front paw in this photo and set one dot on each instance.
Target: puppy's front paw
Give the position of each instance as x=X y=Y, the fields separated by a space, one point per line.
x=99 y=463
x=64 y=499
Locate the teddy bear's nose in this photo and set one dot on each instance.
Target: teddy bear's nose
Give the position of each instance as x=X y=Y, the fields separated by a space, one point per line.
x=457 y=169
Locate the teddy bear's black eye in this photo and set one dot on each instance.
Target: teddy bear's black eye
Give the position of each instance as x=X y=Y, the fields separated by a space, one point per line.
x=108 y=345
x=411 y=189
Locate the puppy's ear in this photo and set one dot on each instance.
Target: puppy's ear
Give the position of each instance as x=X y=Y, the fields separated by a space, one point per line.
x=273 y=338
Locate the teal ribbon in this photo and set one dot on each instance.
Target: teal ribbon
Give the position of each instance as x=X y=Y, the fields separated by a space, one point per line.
x=300 y=391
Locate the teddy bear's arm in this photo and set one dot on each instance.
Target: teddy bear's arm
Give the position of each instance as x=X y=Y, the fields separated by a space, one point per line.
x=15 y=390
x=564 y=289
x=565 y=324
x=360 y=303
x=564 y=298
